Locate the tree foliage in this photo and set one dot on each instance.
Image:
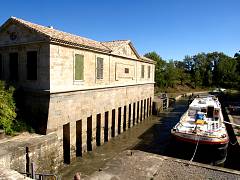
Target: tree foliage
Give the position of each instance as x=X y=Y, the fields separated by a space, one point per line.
x=159 y=67
x=7 y=108
x=202 y=69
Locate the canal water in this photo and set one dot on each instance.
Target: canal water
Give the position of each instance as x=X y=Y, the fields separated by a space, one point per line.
x=151 y=135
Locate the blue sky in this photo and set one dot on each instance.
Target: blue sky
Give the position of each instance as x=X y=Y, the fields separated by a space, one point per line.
x=172 y=28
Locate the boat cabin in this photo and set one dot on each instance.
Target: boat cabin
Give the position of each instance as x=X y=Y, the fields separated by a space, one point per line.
x=205 y=108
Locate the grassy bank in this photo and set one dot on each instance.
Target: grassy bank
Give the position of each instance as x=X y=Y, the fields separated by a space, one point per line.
x=178 y=90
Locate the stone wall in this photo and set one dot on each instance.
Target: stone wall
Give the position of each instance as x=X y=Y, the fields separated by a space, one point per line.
x=42 y=82
x=34 y=108
x=62 y=70
x=21 y=33
x=71 y=107
x=43 y=151
x=10 y=174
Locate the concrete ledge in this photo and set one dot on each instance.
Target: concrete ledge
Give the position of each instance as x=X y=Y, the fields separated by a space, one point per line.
x=141 y=165
x=230 y=118
x=41 y=151
x=188 y=94
x=11 y=175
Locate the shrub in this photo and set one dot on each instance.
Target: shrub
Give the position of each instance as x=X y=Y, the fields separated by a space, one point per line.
x=7 y=108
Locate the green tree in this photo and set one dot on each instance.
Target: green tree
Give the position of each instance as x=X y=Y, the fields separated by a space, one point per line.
x=170 y=74
x=188 y=64
x=237 y=57
x=7 y=108
x=226 y=71
x=159 y=68
x=180 y=72
x=203 y=64
x=196 y=78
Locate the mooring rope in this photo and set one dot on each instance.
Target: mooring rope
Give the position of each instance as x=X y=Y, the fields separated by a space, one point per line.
x=233 y=144
x=195 y=149
x=238 y=125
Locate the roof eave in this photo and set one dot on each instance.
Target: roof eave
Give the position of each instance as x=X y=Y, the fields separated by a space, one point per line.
x=134 y=50
x=68 y=43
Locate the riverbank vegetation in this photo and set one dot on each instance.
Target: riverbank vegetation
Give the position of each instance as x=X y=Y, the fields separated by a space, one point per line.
x=7 y=108
x=10 y=121
x=200 y=71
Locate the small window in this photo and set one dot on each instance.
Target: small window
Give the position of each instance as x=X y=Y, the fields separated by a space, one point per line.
x=1 y=67
x=79 y=67
x=32 y=65
x=126 y=70
x=142 y=71
x=149 y=71
x=13 y=66
x=99 y=68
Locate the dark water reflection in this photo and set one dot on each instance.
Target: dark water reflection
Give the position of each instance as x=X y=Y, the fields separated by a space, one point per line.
x=158 y=140
x=152 y=135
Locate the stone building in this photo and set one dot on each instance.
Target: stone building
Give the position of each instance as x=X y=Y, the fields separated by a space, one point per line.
x=84 y=90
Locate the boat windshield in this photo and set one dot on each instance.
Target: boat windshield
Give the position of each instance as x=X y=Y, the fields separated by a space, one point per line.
x=210 y=110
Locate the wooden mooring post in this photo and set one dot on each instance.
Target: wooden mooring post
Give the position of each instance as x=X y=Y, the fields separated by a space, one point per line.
x=33 y=175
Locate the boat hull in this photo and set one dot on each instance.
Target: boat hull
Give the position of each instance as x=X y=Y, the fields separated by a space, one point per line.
x=194 y=138
x=208 y=151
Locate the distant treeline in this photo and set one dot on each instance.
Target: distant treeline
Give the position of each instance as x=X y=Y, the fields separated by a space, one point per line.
x=214 y=69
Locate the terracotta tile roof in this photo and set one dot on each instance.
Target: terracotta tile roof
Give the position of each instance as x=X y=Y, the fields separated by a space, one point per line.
x=146 y=59
x=114 y=45
x=62 y=36
x=71 y=39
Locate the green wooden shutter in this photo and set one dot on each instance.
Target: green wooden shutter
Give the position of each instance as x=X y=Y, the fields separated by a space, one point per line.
x=149 y=71
x=79 y=67
x=99 y=68
x=142 y=72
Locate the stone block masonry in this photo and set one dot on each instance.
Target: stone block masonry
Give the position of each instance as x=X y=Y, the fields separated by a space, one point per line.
x=86 y=119
x=84 y=91
x=43 y=150
x=11 y=175
x=78 y=122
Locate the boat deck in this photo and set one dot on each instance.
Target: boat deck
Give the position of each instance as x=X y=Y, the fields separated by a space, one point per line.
x=203 y=121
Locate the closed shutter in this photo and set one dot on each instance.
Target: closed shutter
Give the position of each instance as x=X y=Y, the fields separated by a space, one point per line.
x=79 y=67
x=99 y=68
x=142 y=72
x=149 y=71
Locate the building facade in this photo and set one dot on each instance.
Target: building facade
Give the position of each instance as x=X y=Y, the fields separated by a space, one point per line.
x=84 y=90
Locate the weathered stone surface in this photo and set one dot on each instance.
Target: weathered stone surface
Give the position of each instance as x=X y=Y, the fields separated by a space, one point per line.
x=43 y=152
x=141 y=165
x=73 y=106
x=62 y=70
x=56 y=98
x=9 y=174
x=42 y=82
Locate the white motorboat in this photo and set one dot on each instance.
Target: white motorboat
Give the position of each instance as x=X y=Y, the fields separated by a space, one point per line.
x=202 y=123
